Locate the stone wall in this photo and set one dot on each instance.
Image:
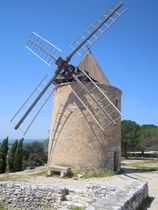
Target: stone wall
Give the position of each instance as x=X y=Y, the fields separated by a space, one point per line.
x=26 y=196
x=15 y=195
x=129 y=198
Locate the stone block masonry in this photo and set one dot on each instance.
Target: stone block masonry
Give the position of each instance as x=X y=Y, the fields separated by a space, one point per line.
x=76 y=140
x=20 y=195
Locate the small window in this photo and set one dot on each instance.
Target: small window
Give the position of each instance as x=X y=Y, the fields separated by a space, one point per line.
x=116 y=102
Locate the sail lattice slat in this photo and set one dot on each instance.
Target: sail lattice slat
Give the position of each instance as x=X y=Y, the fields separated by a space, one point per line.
x=43 y=49
x=93 y=98
x=96 y=30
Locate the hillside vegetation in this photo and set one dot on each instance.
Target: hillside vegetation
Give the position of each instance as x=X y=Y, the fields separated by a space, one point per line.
x=20 y=156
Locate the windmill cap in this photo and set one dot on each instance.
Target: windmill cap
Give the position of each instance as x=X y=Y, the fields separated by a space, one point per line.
x=90 y=65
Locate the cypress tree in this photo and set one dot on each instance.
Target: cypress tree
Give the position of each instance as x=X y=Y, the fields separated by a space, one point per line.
x=3 y=155
x=18 y=156
x=0 y=163
x=11 y=158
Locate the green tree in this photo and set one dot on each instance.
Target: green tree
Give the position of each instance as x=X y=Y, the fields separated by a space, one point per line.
x=18 y=156
x=11 y=157
x=3 y=155
x=148 y=137
x=129 y=136
x=34 y=154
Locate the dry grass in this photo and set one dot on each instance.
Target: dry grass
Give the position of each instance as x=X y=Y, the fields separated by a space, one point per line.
x=24 y=175
x=140 y=164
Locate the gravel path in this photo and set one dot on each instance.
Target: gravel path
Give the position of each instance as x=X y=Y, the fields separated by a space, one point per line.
x=80 y=184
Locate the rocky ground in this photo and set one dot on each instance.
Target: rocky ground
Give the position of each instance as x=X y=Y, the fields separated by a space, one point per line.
x=132 y=170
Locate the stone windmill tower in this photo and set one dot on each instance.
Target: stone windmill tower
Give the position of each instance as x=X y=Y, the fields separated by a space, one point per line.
x=76 y=140
x=85 y=130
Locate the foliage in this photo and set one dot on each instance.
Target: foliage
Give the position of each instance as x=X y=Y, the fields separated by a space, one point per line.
x=21 y=156
x=11 y=157
x=18 y=156
x=45 y=144
x=129 y=136
x=34 y=155
x=3 y=155
x=136 y=137
x=148 y=137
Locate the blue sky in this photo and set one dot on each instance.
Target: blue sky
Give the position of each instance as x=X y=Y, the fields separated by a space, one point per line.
x=127 y=53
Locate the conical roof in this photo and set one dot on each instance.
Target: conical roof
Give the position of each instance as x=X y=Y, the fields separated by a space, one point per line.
x=90 y=65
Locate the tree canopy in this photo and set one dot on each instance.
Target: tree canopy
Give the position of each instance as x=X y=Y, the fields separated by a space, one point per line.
x=148 y=137
x=34 y=154
x=129 y=136
x=3 y=155
x=11 y=157
x=137 y=137
x=19 y=156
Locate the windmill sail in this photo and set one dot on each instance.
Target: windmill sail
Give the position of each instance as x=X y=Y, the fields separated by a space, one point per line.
x=49 y=53
x=96 y=30
x=34 y=97
x=34 y=118
x=27 y=100
x=98 y=100
x=43 y=49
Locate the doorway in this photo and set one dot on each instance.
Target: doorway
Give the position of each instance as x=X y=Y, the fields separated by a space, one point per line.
x=116 y=161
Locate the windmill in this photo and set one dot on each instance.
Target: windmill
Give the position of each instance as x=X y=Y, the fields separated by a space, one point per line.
x=84 y=94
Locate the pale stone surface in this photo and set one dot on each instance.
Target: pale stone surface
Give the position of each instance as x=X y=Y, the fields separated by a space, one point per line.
x=76 y=140
x=64 y=171
x=25 y=196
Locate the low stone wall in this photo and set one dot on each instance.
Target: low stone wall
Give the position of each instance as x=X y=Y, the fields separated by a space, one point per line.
x=129 y=198
x=26 y=196
x=17 y=195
